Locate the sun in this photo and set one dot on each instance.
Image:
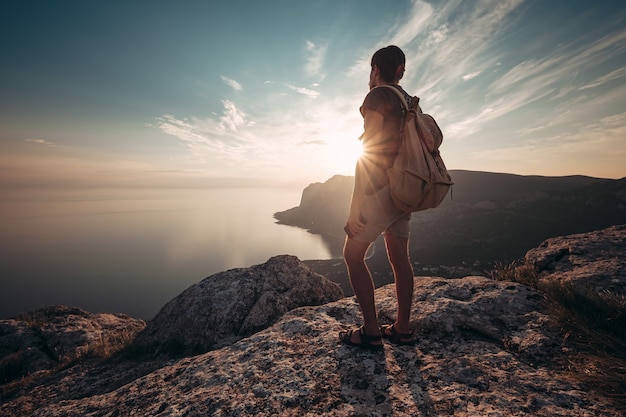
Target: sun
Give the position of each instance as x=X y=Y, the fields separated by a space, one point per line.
x=345 y=150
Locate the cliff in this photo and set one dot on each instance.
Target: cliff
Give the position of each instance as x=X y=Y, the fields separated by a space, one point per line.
x=488 y=218
x=486 y=347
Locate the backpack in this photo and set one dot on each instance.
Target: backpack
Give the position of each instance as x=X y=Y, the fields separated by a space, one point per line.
x=418 y=178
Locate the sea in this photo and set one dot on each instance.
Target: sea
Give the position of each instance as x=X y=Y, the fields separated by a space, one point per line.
x=131 y=251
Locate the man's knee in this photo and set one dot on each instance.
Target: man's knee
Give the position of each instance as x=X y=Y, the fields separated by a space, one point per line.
x=354 y=251
x=397 y=249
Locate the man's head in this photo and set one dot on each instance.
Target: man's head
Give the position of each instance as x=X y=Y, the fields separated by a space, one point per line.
x=389 y=64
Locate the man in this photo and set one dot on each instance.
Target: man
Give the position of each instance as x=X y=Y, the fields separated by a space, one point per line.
x=372 y=211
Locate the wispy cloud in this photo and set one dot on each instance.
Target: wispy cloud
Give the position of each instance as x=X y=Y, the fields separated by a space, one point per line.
x=496 y=103
x=316 y=55
x=581 y=151
x=518 y=98
x=41 y=142
x=315 y=142
x=286 y=140
x=232 y=83
x=418 y=18
x=471 y=75
x=453 y=41
x=310 y=133
x=304 y=91
x=209 y=139
x=611 y=76
x=233 y=117
x=532 y=80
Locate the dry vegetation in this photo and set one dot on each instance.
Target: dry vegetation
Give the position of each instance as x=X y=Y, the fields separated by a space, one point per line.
x=593 y=325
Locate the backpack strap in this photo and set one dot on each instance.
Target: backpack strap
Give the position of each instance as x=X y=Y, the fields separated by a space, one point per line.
x=405 y=106
x=414 y=100
x=435 y=134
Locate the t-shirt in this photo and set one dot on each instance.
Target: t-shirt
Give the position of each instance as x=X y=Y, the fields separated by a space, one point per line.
x=379 y=154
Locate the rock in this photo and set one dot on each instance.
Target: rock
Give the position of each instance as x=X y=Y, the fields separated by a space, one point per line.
x=56 y=336
x=227 y=306
x=592 y=260
x=485 y=348
x=323 y=210
x=323 y=207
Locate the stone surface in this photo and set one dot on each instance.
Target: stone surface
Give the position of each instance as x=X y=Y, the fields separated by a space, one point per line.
x=485 y=348
x=227 y=306
x=56 y=336
x=595 y=260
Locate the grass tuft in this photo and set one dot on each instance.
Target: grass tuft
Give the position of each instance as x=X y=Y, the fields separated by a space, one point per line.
x=594 y=325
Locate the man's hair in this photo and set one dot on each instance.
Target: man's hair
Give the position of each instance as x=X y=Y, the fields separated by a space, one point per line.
x=388 y=60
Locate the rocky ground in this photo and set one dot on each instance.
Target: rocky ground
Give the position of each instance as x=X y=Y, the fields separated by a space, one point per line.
x=485 y=348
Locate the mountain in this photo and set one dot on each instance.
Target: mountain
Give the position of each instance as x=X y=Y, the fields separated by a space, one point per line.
x=488 y=218
x=485 y=347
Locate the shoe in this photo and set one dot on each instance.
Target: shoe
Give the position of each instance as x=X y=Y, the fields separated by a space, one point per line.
x=366 y=341
x=389 y=332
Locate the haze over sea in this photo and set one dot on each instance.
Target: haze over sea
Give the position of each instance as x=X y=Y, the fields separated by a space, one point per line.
x=207 y=94
x=131 y=251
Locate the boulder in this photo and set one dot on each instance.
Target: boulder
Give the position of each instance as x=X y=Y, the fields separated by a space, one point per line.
x=54 y=336
x=485 y=348
x=593 y=260
x=227 y=306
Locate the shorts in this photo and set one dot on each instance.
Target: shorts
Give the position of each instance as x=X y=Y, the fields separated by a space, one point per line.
x=380 y=215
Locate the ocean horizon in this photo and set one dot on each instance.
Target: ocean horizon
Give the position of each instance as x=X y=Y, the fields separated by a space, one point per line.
x=131 y=251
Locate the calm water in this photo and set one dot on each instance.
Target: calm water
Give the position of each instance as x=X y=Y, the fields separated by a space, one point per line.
x=132 y=251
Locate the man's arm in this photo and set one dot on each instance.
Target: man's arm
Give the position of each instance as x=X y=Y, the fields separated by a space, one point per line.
x=373 y=125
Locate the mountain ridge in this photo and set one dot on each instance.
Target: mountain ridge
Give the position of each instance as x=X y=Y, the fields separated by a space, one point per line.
x=488 y=218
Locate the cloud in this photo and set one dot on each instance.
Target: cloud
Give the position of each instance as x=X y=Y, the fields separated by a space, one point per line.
x=445 y=43
x=304 y=91
x=581 y=151
x=233 y=117
x=418 y=19
x=437 y=36
x=269 y=144
x=280 y=137
x=231 y=83
x=529 y=99
x=210 y=139
x=315 y=59
x=471 y=75
x=285 y=137
x=512 y=85
x=41 y=142
x=315 y=142
x=613 y=75
x=517 y=97
x=564 y=62
x=533 y=80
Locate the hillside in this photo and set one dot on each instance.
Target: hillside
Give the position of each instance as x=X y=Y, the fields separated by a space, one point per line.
x=488 y=218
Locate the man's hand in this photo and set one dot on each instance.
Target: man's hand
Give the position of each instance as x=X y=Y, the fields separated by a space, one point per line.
x=354 y=226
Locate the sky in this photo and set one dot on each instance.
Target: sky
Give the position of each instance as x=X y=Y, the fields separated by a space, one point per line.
x=236 y=93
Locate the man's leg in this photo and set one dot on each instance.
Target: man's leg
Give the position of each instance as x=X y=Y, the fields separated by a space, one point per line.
x=362 y=284
x=398 y=253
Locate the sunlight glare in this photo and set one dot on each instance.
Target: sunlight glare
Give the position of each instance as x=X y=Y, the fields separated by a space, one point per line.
x=345 y=151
